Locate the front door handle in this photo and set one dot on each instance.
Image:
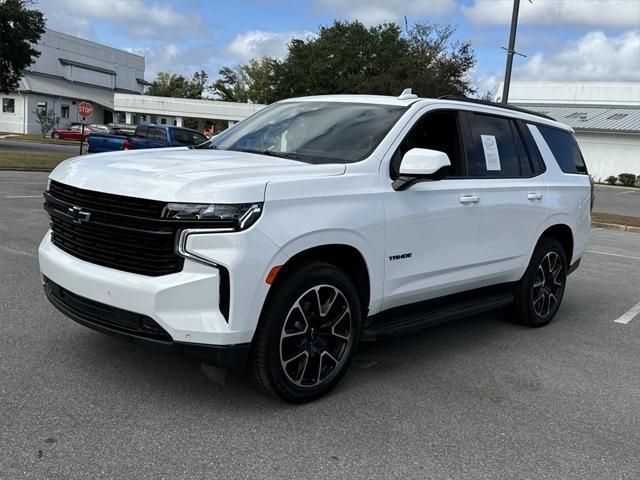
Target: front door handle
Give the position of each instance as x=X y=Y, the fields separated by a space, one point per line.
x=469 y=199
x=534 y=196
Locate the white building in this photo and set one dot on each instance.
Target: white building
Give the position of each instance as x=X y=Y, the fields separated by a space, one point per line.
x=68 y=71
x=137 y=109
x=605 y=117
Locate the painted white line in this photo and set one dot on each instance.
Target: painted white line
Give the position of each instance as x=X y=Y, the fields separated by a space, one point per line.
x=624 y=193
x=627 y=317
x=23 y=196
x=613 y=254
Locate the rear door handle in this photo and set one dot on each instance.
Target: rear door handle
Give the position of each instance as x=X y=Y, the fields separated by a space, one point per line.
x=534 y=196
x=469 y=199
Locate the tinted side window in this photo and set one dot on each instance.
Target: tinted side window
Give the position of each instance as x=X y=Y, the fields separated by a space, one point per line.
x=497 y=149
x=182 y=136
x=198 y=138
x=436 y=131
x=532 y=148
x=141 y=131
x=565 y=149
x=157 y=134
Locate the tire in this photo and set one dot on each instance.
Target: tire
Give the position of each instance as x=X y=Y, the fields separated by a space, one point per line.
x=538 y=295
x=308 y=333
x=56 y=135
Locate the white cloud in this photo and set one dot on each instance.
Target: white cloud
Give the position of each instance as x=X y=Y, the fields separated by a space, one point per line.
x=590 y=13
x=133 y=18
x=371 y=12
x=594 y=57
x=259 y=43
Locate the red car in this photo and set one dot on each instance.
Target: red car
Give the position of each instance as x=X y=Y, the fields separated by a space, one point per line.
x=71 y=133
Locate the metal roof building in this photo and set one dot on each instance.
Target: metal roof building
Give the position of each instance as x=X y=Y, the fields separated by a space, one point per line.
x=68 y=71
x=604 y=115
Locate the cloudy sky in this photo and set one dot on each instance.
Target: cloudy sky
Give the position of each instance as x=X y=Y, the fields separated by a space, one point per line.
x=563 y=39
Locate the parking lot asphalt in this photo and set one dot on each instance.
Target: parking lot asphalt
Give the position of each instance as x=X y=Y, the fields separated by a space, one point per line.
x=22 y=146
x=618 y=200
x=479 y=398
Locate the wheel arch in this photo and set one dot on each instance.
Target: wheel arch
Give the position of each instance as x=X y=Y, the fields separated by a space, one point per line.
x=563 y=233
x=346 y=257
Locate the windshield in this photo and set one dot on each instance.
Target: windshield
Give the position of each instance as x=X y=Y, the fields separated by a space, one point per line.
x=313 y=132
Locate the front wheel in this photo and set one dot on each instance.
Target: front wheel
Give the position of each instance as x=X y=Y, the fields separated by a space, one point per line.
x=56 y=136
x=539 y=293
x=308 y=333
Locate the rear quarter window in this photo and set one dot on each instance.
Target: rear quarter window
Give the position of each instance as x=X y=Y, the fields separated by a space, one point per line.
x=565 y=149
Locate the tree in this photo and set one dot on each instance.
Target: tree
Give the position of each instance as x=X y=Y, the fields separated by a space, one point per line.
x=254 y=82
x=348 y=57
x=489 y=95
x=173 y=85
x=46 y=119
x=20 y=29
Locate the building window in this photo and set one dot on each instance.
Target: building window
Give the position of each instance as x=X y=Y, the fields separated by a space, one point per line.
x=42 y=108
x=64 y=111
x=163 y=121
x=8 y=105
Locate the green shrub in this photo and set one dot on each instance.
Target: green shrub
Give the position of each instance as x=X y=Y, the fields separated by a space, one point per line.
x=612 y=180
x=627 y=179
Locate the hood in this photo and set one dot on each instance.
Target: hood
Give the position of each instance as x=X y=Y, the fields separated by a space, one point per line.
x=184 y=175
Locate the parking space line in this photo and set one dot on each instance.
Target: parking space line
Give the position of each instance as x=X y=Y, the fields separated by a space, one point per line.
x=23 y=196
x=614 y=254
x=630 y=315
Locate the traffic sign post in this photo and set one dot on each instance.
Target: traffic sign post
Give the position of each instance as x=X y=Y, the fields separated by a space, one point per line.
x=85 y=109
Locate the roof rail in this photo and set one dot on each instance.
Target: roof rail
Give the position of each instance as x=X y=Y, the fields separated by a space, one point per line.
x=493 y=104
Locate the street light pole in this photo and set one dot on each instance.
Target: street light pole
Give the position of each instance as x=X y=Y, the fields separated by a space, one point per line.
x=510 y=52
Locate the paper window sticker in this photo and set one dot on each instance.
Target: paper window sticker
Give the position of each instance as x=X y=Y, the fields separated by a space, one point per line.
x=491 y=155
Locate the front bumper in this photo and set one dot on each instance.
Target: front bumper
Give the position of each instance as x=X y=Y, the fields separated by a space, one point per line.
x=140 y=328
x=185 y=304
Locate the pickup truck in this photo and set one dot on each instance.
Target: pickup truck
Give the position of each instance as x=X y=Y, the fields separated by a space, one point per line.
x=145 y=136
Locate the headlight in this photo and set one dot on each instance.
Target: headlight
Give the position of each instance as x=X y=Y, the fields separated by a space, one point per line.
x=237 y=216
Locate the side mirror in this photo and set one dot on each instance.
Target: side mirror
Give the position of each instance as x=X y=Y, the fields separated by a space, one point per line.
x=421 y=164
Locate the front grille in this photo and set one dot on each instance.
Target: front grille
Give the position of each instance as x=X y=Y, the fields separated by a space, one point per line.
x=95 y=313
x=121 y=232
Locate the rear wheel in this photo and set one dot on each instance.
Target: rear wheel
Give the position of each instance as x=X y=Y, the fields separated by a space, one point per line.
x=539 y=293
x=308 y=333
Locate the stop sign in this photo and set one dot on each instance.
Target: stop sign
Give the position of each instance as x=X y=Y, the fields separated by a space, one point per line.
x=85 y=109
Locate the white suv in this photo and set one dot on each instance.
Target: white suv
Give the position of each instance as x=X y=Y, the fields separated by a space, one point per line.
x=318 y=222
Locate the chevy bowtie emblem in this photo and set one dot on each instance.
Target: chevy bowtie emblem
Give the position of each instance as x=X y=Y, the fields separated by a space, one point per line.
x=78 y=215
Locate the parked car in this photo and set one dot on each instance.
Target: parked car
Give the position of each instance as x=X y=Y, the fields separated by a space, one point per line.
x=74 y=132
x=318 y=222
x=146 y=136
x=100 y=128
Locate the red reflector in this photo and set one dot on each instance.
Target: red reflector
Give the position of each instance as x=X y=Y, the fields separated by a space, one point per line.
x=272 y=274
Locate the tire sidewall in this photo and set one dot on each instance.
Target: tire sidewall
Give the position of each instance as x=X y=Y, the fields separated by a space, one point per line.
x=547 y=246
x=276 y=315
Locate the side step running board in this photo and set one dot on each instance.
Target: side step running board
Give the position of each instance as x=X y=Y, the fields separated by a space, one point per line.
x=402 y=320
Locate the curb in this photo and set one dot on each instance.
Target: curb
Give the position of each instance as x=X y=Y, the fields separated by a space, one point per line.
x=19 y=169
x=615 y=226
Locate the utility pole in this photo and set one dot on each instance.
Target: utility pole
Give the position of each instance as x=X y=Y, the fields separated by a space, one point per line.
x=511 y=51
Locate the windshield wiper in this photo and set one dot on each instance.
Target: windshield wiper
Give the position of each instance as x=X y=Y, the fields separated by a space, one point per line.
x=270 y=153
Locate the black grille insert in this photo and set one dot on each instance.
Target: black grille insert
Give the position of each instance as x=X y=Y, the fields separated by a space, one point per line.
x=121 y=232
x=101 y=315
